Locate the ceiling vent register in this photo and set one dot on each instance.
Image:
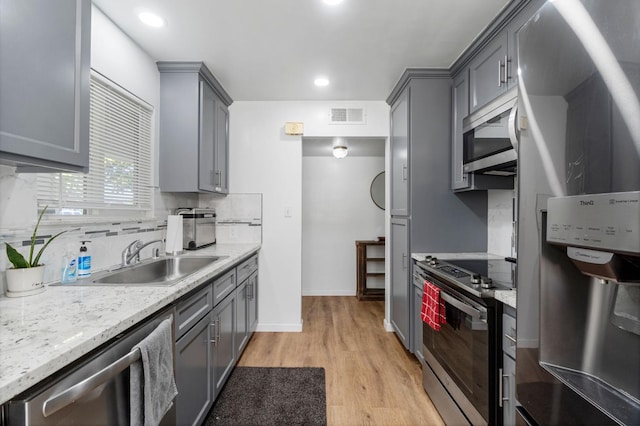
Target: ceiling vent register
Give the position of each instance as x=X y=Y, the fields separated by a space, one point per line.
x=347 y=116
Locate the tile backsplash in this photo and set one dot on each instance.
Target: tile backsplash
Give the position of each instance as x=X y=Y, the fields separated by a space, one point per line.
x=500 y=222
x=239 y=218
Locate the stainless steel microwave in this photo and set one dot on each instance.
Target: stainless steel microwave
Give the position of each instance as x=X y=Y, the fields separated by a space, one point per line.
x=491 y=137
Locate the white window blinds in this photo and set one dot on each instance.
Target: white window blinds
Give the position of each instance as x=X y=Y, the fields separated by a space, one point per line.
x=119 y=175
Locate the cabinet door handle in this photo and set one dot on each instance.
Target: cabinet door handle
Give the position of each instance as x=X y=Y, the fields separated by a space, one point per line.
x=507 y=74
x=502 y=397
x=404 y=260
x=499 y=73
x=405 y=175
x=500 y=387
x=511 y=338
x=216 y=336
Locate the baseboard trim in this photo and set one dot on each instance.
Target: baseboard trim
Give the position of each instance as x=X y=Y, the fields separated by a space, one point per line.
x=280 y=328
x=388 y=326
x=329 y=293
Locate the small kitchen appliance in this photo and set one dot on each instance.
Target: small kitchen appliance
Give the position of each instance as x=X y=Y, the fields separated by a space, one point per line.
x=199 y=227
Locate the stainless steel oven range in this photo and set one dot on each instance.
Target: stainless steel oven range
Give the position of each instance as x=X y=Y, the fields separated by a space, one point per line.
x=461 y=375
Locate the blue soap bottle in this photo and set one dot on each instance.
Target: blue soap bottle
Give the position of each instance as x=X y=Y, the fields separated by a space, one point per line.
x=84 y=261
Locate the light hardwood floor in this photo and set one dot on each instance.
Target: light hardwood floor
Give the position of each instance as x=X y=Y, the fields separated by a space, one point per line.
x=371 y=379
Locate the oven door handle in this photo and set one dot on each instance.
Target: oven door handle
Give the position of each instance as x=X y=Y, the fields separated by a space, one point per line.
x=467 y=309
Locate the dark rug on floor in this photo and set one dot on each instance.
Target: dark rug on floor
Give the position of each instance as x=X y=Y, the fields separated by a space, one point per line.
x=271 y=396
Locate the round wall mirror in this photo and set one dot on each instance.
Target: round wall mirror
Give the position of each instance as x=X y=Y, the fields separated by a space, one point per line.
x=377 y=190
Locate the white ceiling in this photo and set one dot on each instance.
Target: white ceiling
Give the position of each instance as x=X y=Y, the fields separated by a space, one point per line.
x=273 y=49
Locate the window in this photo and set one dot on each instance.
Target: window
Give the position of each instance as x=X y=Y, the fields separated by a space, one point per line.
x=119 y=178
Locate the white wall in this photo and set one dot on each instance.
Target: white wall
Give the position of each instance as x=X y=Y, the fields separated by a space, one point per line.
x=264 y=160
x=337 y=210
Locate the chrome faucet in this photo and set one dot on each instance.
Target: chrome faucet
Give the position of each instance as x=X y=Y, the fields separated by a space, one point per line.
x=132 y=251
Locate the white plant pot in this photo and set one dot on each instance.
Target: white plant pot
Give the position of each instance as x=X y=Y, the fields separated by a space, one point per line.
x=25 y=281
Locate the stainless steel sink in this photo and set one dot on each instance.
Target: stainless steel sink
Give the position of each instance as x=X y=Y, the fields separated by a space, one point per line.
x=164 y=271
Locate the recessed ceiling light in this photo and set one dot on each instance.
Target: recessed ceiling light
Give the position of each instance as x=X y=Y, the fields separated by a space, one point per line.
x=321 y=81
x=332 y=2
x=151 y=19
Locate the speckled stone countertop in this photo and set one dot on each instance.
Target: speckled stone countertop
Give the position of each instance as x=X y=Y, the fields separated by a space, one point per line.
x=507 y=297
x=43 y=333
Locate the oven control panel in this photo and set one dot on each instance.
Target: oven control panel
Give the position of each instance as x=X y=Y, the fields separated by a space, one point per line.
x=600 y=221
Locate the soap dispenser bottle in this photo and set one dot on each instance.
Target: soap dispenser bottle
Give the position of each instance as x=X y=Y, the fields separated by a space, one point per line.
x=84 y=261
x=69 y=267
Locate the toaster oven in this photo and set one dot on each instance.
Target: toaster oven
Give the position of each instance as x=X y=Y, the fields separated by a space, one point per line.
x=198 y=227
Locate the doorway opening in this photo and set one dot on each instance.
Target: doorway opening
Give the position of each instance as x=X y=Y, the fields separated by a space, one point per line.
x=338 y=210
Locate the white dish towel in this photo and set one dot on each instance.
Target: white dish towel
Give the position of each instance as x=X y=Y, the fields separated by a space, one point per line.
x=152 y=383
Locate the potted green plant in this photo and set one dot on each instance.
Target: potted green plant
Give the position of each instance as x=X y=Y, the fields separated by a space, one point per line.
x=27 y=275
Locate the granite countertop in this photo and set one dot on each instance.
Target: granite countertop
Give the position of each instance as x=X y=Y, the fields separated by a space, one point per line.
x=507 y=297
x=43 y=333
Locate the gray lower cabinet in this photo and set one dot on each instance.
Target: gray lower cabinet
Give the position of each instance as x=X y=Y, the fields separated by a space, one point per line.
x=194 y=129
x=223 y=350
x=246 y=293
x=418 y=289
x=242 y=316
x=213 y=326
x=194 y=374
x=400 y=285
x=44 y=84
x=252 y=302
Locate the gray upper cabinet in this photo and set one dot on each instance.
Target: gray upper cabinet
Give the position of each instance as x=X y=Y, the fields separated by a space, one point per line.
x=222 y=148
x=493 y=68
x=490 y=72
x=400 y=128
x=460 y=109
x=194 y=129
x=44 y=84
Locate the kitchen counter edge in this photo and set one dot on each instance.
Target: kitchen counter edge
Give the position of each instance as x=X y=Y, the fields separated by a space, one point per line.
x=42 y=334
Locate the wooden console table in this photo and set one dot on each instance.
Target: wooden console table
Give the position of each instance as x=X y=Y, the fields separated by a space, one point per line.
x=362 y=272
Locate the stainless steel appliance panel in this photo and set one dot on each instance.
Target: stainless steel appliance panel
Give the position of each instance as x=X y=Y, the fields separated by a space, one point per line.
x=579 y=85
x=463 y=353
x=490 y=139
x=101 y=398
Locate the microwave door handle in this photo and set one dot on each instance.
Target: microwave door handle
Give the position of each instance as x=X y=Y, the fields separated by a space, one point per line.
x=469 y=310
x=513 y=135
x=80 y=389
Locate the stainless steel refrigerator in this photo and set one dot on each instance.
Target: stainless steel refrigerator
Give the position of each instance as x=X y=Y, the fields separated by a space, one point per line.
x=578 y=277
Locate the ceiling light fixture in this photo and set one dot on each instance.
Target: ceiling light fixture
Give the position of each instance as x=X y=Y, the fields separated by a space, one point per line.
x=339 y=151
x=332 y=2
x=151 y=19
x=321 y=81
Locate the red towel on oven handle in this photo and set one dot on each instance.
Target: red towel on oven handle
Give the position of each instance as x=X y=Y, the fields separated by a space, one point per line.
x=433 y=309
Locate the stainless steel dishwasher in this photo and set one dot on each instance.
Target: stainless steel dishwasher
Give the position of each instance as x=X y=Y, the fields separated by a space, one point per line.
x=94 y=391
